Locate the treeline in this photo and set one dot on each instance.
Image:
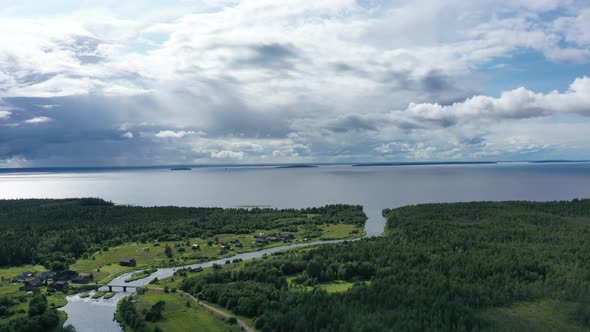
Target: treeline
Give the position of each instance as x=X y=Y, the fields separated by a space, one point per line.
x=438 y=267
x=56 y=232
x=128 y=316
x=40 y=318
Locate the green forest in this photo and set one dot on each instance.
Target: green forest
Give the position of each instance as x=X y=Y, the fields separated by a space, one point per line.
x=55 y=233
x=440 y=267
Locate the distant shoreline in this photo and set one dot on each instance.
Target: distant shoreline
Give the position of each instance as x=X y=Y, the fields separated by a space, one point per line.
x=427 y=163
x=273 y=166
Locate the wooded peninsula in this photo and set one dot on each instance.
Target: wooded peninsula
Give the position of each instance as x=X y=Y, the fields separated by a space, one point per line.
x=480 y=266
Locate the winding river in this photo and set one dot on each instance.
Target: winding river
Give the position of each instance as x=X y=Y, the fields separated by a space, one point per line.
x=87 y=314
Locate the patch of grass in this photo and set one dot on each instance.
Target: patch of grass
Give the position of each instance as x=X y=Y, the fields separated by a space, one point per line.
x=85 y=295
x=546 y=315
x=141 y=275
x=341 y=231
x=56 y=300
x=180 y=317
x=99 y=294
x=109 y=295
x=7 y=289
x=11 y=272
x=337 y=286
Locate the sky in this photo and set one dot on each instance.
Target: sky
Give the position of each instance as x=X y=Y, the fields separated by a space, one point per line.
x=116 y=83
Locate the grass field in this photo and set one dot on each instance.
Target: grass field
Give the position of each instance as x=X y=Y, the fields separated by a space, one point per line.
x=180 y=317
x=105 y=266
x=7 y=273
x=538 y=316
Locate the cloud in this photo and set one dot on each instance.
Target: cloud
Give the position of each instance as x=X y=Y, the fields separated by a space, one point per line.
x=14 y=162
x=290 y=81
x=519 y=103
x=39 y=119
x=174 y=134
x=4 y=114
x=228 y=154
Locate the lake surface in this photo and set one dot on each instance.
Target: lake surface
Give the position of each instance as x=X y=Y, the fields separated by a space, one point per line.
x=375 y=188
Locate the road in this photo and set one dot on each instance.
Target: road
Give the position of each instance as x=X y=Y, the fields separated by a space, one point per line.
x=221 y=313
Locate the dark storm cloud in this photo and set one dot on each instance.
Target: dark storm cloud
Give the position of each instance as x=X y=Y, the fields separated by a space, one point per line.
x=275 y=56
x=81 y=130
x=352 y=123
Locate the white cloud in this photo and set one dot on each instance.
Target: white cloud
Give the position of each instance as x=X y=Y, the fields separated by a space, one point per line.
x=516 y=104
x=14 y=162
x=228 y=154
x=37 y=120
x=293 y=80
x=174 y=134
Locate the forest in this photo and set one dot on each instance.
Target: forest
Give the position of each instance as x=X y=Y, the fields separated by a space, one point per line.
x=55 y=233
x=440 y=267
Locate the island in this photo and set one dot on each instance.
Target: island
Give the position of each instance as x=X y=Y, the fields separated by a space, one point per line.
x=433 y=163
x=181 y=169
x=297 y=166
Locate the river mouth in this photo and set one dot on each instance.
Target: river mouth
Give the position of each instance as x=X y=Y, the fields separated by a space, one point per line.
x=97 y=315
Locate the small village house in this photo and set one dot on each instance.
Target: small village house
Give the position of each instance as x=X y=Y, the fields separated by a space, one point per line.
x=127 y=262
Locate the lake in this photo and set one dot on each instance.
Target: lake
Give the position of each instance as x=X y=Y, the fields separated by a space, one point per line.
x=375 y=188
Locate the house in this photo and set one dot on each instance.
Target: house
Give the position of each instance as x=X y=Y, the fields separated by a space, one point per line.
x=127 y=262
x=354 y=231
x=58 y=286
x=238 y=245
x=225 y=247
x=273 y=238
x=65 y=275
x=31 y=285
x=83 y=278
x=287 y=237
x=261 y=242
x=45 y=275
x=196 y=247
x=26 y=275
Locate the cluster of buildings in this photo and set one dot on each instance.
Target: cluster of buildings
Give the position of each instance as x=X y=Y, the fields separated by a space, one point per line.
x=225 y=246
x=55 y=282
x=263 y=239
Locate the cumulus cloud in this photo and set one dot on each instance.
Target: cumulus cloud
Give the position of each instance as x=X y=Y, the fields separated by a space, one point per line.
x=284 y=81
x=519 y=103
x=174 y=134
x=228 y=154
x=39 y=119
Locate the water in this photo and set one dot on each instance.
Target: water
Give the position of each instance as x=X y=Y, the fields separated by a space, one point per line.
x=375 y=188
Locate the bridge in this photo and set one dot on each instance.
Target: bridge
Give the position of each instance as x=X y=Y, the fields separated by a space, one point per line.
x=119 y=286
